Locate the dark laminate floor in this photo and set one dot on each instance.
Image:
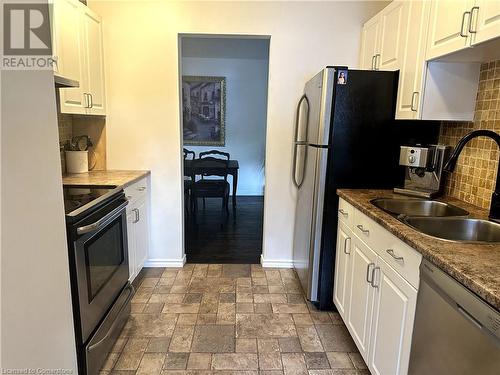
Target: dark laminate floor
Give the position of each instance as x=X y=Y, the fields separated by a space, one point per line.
x=240 y=239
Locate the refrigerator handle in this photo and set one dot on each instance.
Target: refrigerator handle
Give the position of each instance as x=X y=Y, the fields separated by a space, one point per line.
x=297 y=143
x=297 y=119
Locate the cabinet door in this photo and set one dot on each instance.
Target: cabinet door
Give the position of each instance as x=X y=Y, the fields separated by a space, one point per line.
x=131 y=236
x=448 y=27
x=393 y=22
x=369 y=43
x=142 y=234
x=413 y=67
x=360 y=295
x=485 y=21
x=342 y=263
x=392 y=325
x=69 y=53
x=94 y=62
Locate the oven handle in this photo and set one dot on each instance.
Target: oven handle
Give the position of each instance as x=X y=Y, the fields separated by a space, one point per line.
x=106 y=336
x=102 y=221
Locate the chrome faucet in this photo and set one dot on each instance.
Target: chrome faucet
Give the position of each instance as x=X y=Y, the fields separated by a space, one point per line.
x=450 y=166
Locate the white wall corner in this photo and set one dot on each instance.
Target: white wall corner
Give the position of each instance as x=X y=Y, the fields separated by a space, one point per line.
x=269 y=263
x=162 y=262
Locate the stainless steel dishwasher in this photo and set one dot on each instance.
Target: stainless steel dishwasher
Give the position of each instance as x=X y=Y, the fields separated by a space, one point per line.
x=455 y=332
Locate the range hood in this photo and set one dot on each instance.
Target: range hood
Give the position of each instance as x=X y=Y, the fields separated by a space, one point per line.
x=61 y=81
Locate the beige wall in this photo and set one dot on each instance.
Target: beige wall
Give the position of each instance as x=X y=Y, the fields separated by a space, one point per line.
x=474 y=177
x=143 y=129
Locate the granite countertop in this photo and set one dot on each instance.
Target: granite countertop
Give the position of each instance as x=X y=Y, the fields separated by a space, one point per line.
x=104 y=178
x=476 y=266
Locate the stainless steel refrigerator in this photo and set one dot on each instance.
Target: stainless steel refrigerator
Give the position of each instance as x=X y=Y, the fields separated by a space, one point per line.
x=345 y=137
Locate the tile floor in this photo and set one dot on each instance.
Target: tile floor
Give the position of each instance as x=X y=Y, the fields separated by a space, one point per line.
x=230 y=319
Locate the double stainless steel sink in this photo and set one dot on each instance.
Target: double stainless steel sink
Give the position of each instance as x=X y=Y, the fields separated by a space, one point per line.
x=441 y=220
x=418 y=207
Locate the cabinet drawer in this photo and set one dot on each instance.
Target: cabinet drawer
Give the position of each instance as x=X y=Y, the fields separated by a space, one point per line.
x=389 y=247
x=136 y=191
x=368 y=230
x=401 y=257
x=346 y=212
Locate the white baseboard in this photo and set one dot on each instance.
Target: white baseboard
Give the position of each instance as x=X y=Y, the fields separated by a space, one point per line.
x=268 y=263
x=159 y=262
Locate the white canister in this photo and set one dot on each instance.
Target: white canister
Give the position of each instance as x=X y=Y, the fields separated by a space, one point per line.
x=77 y=161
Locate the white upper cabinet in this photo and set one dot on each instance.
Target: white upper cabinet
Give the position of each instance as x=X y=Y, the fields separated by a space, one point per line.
x=430 y=42
x=485 y=21
x=381 y=47
x=370 y=43
x=77 y=44
x=393 y=22
x=411 y=75
x=94 y=62
x=448 y=27
x=68 y=52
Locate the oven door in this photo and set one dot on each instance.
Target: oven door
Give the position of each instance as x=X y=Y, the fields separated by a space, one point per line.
x=101 y=257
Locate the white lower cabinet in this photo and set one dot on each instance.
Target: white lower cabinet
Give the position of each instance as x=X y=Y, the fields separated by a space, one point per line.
x=373 y=296
x=137 y=226
x=343 y=257
x=131 y=217
x=393 y=314
x=360 y=295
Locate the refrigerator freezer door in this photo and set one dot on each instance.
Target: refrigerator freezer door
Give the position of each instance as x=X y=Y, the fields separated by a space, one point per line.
x=309 y=211
x=319 y=91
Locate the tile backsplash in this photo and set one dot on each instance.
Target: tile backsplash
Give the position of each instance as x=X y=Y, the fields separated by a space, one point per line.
x=474 y=178
x=65 y=127
x=70 y=126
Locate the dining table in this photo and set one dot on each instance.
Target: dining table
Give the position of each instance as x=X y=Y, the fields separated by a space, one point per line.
x=192 y=169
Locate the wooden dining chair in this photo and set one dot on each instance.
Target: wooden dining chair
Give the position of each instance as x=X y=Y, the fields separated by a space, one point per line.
x=212 y=164
x=188 y=181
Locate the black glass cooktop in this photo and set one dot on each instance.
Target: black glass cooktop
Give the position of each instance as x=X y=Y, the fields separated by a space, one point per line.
x=78 y=198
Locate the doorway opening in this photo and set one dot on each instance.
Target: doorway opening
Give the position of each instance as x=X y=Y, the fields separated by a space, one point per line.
x=224 y=88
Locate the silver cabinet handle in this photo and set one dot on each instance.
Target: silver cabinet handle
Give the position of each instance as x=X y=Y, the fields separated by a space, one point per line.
x=91 y=100
x=360 y=227
x=86 y=99
x=413 y=96
x=471 y=18
x=368 y=273
x=141 y=188
x=372 y=282
x=463 y=23
x=345 y=245
x=376 y=59
x=373 y=63
x=392 y=254
x=345 y=214
x=136 y=212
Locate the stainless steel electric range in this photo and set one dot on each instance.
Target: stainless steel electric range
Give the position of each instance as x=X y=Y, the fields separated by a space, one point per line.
x=98 y=254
